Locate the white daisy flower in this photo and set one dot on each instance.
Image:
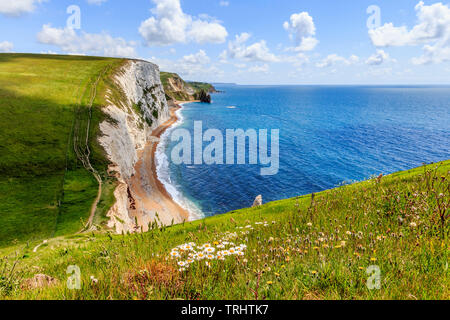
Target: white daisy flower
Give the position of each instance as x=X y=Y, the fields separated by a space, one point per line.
x=210 y=250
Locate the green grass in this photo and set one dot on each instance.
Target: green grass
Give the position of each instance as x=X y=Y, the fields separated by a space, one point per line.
x=41 y=98
x=199 y=86
x=183 y=96
x=306 y=248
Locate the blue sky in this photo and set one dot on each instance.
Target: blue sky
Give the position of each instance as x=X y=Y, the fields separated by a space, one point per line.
x=247 y=41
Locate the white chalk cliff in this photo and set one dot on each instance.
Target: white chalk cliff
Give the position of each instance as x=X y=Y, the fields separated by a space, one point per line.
x=129 y=129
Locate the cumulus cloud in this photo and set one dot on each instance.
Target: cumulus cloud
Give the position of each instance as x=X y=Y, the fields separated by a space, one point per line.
x=196 y=65
x=377 y=58
x=6 y=46
x=432 y=31
x=333 y=59
x=18 y=7
x=101 y=43
x=170 y=25
x=301 y=28
x=198 y=58
x=224 y=3
x=238 y=49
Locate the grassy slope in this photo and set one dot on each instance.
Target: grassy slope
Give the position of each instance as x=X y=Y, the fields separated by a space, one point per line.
x=39 y=98
x=308 y=250
x=181 y=96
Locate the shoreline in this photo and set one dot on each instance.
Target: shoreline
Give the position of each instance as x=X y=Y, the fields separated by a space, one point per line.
x=146 y=187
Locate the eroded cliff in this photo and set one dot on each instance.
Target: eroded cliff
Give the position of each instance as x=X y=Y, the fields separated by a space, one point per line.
x=134 y=113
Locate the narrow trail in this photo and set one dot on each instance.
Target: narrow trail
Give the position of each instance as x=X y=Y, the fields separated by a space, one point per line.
x=83 y=151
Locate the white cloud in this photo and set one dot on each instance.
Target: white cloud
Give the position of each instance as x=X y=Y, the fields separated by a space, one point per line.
x=377 y=58
x=301 y=28
x=6 y=46
x=170 y=25
x=333 y=59
x=100 y=44
x=224 y=3
x=197 y=65
x=198 y=58
x=96 y=2
x=298 y=61
x=259 y=69
x=432 y=31
x=18 y=7
x=207 y=32
x=258 y=51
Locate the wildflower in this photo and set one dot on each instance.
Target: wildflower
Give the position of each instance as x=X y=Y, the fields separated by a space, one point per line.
x=309 y=224
x=361 y=268
x=277 y=274
x=349 y=233
x=206 y=245
x=210 y=250
x=343 y=243
x=182 y=264
x=215 y=243
x=200 y=256
x=373 y=259
x=208 y=264
x=210 y=257
x=175 y=254
x=314 y=272
x=413 y=224
x=269 y=283
x=94 y=280
x=233 y=251
x=182 y=269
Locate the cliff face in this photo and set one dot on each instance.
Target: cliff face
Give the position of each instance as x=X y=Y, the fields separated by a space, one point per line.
x=179 y=90
x=141 y=108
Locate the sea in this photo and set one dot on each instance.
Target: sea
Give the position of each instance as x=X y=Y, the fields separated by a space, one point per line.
x=328 y=136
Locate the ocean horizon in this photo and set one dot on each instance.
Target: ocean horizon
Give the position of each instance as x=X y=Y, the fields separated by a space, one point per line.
x=329 y=136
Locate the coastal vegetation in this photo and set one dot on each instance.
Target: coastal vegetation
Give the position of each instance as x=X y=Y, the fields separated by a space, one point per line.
x=49 y=119
x=179 y=90
x=335 y=244
x=384 y=238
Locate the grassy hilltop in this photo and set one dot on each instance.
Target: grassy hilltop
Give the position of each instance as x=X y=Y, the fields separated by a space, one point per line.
x=178 y=89
x=310 y=247
x=44 y=190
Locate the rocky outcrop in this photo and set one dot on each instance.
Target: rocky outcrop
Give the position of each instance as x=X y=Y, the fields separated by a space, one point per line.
x=132 y=119
x=179 y=90
x=203 y=96
x=258 y=201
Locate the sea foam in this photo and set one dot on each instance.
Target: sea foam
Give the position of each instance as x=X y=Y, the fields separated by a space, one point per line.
x=163 y=171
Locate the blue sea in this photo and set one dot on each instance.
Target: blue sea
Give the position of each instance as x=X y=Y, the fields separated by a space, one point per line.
x=328 y=135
